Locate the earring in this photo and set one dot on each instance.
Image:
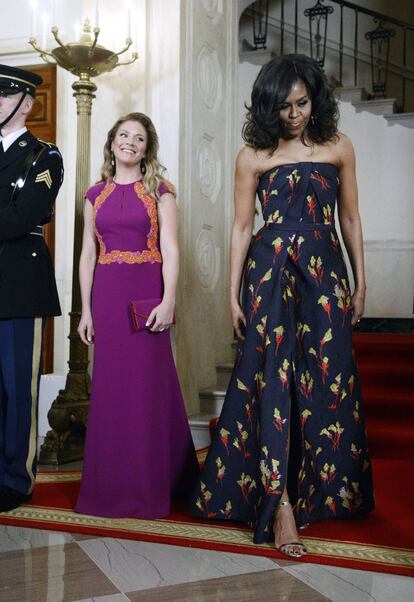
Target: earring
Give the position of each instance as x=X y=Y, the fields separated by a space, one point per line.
x=313 y=119
x=112 y=159
x=143 y=168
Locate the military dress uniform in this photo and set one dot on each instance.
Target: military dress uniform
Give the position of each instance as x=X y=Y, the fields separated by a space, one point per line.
x=31 y=174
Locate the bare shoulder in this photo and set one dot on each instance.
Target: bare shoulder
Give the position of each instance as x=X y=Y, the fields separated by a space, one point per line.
x=247 y=159
x=344 y=149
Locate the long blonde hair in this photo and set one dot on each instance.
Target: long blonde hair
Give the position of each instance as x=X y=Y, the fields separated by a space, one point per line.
x=151 y=168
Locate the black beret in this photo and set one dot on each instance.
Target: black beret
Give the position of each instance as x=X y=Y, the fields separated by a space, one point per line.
x=14 y=80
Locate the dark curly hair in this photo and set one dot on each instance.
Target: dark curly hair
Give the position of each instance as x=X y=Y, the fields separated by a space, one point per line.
x=263 y=128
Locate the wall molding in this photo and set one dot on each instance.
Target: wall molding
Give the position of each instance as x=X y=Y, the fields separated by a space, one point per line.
x=13 y=52
x=388 y=245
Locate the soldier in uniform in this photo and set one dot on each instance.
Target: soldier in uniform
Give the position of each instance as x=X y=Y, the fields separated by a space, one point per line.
x=31 y=174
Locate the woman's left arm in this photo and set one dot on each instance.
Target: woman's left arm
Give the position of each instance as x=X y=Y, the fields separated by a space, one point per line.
x=161 y=316
x=350 y=223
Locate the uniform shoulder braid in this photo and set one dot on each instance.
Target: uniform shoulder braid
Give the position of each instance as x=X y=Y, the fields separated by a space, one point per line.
x=50 y=148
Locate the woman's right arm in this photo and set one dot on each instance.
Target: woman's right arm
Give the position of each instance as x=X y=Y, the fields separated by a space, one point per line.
x=86 y=270
x=241 y=234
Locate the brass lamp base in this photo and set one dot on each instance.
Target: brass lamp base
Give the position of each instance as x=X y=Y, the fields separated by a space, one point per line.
x=66 y=441
x=69 y=412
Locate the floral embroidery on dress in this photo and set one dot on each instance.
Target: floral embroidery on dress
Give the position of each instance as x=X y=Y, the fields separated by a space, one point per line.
x=295 y=372
x=152 y=253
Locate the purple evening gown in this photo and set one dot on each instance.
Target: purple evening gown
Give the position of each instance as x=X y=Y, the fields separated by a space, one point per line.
x=138 y=452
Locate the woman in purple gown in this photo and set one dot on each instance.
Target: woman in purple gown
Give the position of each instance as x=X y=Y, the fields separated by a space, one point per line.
x=139 y=452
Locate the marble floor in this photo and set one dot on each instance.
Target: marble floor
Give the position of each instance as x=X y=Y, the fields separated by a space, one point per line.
x=46 y=566
x=39 y=566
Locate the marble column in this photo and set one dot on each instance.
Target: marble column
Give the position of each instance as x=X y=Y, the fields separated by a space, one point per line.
x=209 y=57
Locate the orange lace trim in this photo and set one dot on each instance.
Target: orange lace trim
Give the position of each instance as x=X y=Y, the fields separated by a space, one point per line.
x=152 y=253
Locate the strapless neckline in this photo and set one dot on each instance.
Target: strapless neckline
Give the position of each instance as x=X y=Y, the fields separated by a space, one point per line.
x=298 y=163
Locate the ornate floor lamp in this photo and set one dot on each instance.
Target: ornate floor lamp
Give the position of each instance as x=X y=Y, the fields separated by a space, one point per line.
x=86 y=59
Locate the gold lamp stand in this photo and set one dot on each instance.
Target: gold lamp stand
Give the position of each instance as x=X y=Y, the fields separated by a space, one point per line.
x=68 y=413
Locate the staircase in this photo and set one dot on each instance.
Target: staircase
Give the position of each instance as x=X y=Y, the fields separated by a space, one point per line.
x=386 y=107
x=386 y=366
x=211 y=402
x=355 y=45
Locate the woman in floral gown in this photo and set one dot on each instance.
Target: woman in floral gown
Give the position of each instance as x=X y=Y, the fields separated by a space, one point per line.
x=290 y=445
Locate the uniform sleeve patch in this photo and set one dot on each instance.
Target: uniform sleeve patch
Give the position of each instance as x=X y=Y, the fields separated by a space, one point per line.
x=45 y=177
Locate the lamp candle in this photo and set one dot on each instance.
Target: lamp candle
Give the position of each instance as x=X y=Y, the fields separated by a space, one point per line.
x=44 y=29
x=97 y=13
x=54 y=13
x=77 y=28
x=129 y=21
x=33 y=4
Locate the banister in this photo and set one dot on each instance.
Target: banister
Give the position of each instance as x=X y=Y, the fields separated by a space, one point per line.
x=374 y=14
x=379 y=43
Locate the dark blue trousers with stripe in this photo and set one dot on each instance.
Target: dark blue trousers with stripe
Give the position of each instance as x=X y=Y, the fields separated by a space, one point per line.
x=20 y=363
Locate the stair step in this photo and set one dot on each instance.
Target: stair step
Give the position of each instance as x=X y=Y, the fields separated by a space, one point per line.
x=211 y=399
x=200 y=430
x=391 y=395
x=379 y=346
x=377 y=106
x=255 y=57
x=387 y=409
x=404 y=119
x=403 y=367
x=393 y=441
x=351 y=93
x=224 y=372
x=388 y=379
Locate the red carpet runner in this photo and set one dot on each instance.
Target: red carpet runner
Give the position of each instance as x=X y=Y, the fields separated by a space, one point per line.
x=384 y=541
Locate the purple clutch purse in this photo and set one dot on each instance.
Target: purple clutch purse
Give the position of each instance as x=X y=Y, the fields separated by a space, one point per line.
x=140 y=310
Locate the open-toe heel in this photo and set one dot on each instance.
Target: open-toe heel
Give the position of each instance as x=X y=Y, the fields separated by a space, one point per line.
x=292 y=549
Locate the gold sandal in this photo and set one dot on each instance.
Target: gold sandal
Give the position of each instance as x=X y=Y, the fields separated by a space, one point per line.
x=282 y=548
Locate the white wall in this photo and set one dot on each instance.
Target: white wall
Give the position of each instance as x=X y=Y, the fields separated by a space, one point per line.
x=385 y=180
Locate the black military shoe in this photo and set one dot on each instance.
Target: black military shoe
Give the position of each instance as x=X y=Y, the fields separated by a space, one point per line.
x=10 y=498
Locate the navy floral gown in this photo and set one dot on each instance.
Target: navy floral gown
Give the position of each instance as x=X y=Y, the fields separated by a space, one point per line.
x=295 y=384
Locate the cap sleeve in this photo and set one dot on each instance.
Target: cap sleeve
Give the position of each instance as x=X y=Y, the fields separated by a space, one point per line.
x=93 y=192
x=166 y=186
